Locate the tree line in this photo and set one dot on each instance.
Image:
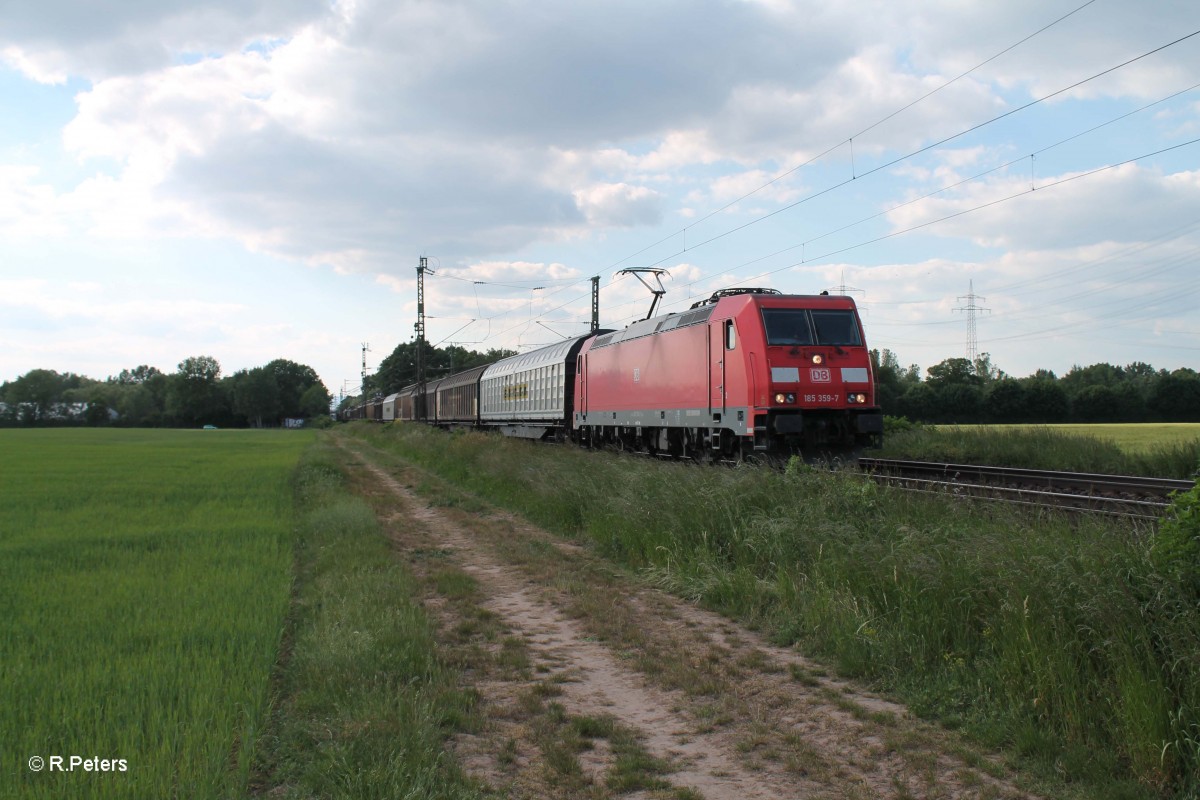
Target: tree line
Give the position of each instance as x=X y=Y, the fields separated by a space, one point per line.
x=399 y=368
x=962 y=391
x=956 y=390
x=195 y=394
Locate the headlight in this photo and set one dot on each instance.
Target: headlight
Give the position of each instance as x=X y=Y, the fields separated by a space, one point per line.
x=856 y=398
x=781 y=398
x=818 y=359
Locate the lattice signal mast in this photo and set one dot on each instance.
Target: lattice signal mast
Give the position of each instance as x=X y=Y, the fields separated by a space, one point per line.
x=595 y=303
x=366 y=348
x=971 y=308
x=419 y=410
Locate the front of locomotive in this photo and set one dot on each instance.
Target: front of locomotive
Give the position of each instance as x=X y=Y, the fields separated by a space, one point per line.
x=818 y=387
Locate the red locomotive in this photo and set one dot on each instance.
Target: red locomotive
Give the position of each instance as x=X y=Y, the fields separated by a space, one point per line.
x=747 y=371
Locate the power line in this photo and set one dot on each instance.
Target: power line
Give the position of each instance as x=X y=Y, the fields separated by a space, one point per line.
x=834 y=147
x=898 y=160
x=944 y=188
x=961 y=213
x=850 y=139
x=921 y=150
x=958 y=183
x=922 y=225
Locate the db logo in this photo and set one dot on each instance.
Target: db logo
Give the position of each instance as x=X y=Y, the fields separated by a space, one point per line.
x=820 y=375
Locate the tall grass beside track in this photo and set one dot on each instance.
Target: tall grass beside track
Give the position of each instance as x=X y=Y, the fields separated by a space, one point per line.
x=144 y=579
x=1169 y=452
x=1073 y=642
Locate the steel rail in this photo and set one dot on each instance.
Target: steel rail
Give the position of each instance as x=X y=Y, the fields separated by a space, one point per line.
x=1048 y=478
x=1129 y=496
x=1061 y=501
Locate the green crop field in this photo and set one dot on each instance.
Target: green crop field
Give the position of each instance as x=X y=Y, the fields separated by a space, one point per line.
x=144 y=584
x=1137 y=436
x=1154 y=449
x=1129 y=436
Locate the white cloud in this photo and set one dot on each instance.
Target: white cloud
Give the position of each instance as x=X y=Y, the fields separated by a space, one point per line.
x=80 y=303
x=762 y=185
x=619 y=205
x=348 y=137
x=49 y=41
x=28 y=209
x=1123 y=204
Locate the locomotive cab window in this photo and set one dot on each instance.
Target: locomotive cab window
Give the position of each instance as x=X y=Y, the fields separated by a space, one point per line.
x=730 y=335
x=836 y=327
x=787 y=326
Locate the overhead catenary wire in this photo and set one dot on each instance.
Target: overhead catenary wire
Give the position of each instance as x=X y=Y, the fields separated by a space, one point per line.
x=850 y=139
x=568 y=283
x=925 y=149
x=813 y=259
x=833 y=148
x=950 y=186
x=963 y=212
x=920 y=226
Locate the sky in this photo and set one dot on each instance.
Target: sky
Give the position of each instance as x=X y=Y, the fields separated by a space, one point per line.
x=258 y=179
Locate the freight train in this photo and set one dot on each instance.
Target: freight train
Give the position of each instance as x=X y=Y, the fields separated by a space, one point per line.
x=746 y=372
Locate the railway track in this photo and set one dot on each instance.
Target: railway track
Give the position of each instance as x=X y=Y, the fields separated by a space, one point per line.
x=1122 y=495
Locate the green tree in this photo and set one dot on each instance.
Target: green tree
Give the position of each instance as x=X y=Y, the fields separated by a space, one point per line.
x=292 y=380
x=143 y=404
x=315 y=402
x=1097 y=403
x=35 y=395
x=1047 y=400
x=891 y=379
x=137 y=375
x=139 y=396
x=985 y=370
x=97 y=412
x=1175 y=396
x=193 y=394
x=1079 y=378
x=953 y=372
x=399 y=368
x=919 y=403
x=1139 y=371
x=959 y=403
x=256 y=395
x=1006 y=400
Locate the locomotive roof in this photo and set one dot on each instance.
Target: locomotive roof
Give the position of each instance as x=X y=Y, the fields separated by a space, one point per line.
x=702 y=312
x=463 y=378
x=552 y=354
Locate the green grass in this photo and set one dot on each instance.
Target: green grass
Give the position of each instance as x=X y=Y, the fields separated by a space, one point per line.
x=1168 y=451
x=1135 y=436
x=365 y=702
x=144 y=582
x=1056 y=638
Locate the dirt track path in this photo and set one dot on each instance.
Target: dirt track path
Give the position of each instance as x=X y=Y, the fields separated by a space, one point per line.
x=592 y=684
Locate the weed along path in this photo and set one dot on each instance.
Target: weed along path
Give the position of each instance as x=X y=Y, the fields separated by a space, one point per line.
x=592 y=684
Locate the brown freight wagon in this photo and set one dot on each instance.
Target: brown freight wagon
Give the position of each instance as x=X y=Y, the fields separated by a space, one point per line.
x=458 y=398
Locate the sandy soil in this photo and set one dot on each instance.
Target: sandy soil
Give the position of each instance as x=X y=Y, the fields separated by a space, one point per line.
x=734 y=717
